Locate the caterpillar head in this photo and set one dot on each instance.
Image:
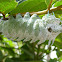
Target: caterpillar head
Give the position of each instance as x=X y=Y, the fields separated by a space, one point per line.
x=52 y=23
x=54 y=28
x=53 y=31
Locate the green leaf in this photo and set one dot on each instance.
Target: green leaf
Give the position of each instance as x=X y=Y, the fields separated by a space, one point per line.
x=58 y=11
x=7 y=5
x=58 y=44
x=21 y=1
x=60 y=59
x=58 y=41
x=58 y=53
x=9 y=50
x=58 y=3
x=54 y=1
x=47 y=2
x=8 y=42
x=59 y=38
x=8 y=60
x=30 y=6
x=53 y=60
x=33 y=61
x=59 y=16
x=1 y=56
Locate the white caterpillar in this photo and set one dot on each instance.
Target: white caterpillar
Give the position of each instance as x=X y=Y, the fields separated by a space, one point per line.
x=31 y=28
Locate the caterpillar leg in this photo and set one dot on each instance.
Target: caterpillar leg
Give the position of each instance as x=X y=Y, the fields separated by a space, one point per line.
x=52 y=42
x=49 y=43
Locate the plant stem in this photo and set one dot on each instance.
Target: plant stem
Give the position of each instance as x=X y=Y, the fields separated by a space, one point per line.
x=50 y=4
x=38 y=52
x=48 y=56
x=45 y=11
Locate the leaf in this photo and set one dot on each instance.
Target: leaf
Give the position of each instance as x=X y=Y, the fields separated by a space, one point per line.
x=33 y=61
x=58 y=53
x=58 y=11
x=58 y=3
x=7 y=5
x=8 y=60
x=59 y=16
x=30 y=6
x=54 y=1
x=8 y=42
x=58 y=41
x=58 y=44
x=60 y=59
x=9 y=50
x=53 y=60
x=1 y=56
x=47 y=2
x=21 y=1
x=59 y=38
x=26 y=51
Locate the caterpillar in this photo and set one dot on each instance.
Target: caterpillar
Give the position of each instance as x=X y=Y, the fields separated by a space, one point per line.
x=31 y=28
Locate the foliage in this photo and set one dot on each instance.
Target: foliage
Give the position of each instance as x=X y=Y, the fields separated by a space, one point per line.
x=14 y=51
x=6 y=7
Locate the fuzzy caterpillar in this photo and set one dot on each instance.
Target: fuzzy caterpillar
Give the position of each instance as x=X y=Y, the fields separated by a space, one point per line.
x=33 y=27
